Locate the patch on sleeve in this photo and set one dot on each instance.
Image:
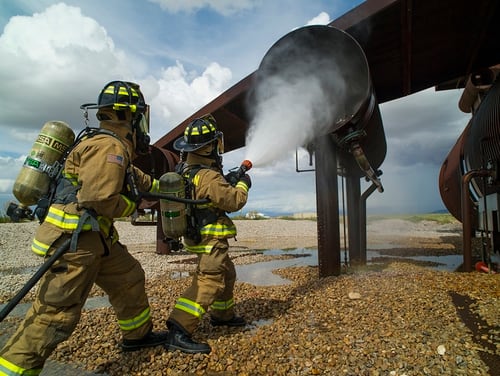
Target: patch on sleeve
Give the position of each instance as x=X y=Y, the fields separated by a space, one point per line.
x=112 y=158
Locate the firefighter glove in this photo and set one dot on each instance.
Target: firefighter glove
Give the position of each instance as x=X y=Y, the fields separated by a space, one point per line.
x=246 y=179
x=232 y=178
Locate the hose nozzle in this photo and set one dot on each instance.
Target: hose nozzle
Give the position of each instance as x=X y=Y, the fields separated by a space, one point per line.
x=237 y=173
x=246 y=165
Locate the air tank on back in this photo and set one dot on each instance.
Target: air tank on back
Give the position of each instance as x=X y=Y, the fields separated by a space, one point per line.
x=40 y=166
x=328 y=68
x=173 y=213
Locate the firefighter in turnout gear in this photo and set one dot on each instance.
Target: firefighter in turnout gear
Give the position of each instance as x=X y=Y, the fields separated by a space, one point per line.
x=213 y=283
x=92 y=191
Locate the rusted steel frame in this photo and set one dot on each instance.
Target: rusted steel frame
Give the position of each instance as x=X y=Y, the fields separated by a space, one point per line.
x=467 y=217
x=225 y=98
x=156 y=163
x=487 y=11
x=361 y=12
x=327 y=203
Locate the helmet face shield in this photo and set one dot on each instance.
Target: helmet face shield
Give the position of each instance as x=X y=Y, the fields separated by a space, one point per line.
x=144 y=121
x=141 y=127
x=220 y=143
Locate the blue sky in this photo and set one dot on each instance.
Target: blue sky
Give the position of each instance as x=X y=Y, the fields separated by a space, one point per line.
x=54 y=56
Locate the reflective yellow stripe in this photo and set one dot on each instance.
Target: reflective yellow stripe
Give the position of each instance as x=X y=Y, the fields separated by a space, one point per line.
x=64 y=220
x=217 y=229
x=199 y=248
x=39 y=248
x=242 y=185
x=196 y=180
x=190 y=307
x=130 y=206
x=73 y=178
x=155 y=186
x=222 y=305
x=135 y=322
x=10 y=369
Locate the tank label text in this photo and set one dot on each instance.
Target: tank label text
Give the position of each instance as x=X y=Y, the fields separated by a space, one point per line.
x=51 y=143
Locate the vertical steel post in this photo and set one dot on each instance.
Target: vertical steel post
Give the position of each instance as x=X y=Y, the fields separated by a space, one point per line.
x=353 y=189
x=362 y=222
x=467 y=220
x=327 y=207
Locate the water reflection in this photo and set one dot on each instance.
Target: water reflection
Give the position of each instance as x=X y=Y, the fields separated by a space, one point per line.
x=261 y=273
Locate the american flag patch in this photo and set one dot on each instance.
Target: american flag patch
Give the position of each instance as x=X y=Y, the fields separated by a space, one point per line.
x=112 y=158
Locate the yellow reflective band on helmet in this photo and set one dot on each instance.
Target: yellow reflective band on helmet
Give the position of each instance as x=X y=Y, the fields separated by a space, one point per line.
x=190 y=307
x=222 y=305
x=122 y=91
x=124 y=106
x=205 y=129
x=39 y=248
x=10 y=369
x=135 y=322
x=64 y=220
x=130 y=206
x=199 y=248
x=218 y=230
x=242 y=185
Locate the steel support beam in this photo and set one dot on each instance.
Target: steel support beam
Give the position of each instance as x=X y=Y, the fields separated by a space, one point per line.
x=353 y=189
x=327 y=207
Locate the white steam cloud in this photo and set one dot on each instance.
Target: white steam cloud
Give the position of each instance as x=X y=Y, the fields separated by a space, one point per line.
x=301 y=93
x=287 y=115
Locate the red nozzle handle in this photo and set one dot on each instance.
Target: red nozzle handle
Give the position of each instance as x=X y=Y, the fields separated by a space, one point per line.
x=246 y=164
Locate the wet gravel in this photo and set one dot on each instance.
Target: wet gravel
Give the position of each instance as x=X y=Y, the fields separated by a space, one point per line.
x=393 y=317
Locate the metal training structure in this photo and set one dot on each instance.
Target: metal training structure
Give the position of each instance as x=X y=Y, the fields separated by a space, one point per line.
x=384 y=50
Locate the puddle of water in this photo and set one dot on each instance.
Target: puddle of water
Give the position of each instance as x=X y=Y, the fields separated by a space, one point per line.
x=254 y=325
x=260 y=274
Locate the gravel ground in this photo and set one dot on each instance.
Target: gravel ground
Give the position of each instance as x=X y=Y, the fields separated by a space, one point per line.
x=393 y=318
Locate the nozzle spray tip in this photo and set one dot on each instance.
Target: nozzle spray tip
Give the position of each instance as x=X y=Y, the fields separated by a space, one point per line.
x=247 y=164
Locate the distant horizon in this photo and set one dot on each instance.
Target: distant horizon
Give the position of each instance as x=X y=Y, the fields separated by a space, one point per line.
x=5 y=198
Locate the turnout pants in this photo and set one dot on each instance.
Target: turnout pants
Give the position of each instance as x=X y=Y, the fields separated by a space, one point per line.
x=62 y=293
x=212 y=287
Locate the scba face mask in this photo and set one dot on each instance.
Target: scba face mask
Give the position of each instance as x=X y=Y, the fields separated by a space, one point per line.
x=141 y=128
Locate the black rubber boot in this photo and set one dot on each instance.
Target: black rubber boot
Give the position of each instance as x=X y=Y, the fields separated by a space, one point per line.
x=235 y=321
x=179 y=339
x=149 y=340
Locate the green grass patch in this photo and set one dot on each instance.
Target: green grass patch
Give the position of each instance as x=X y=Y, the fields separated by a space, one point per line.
x=440 y=218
